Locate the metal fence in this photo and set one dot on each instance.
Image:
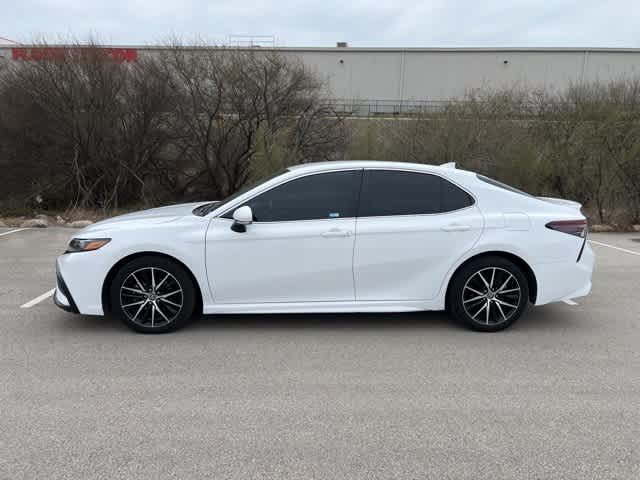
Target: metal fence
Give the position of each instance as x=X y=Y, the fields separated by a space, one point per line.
x=382 y=108
x=371 y=107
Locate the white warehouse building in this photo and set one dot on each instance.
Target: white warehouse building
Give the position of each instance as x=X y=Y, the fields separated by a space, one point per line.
x=442 y=74
x=398 y=75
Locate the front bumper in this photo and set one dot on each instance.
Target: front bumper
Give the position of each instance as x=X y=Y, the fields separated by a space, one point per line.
x=80 y=278
x=62 y=297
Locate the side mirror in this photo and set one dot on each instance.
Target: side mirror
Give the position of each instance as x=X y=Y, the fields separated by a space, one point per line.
x=242 y=217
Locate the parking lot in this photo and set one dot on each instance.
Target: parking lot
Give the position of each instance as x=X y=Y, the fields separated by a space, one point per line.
x=319 y=396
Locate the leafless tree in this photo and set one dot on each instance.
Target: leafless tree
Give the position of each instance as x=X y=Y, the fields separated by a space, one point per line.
x=100 y=122
x=233 y=107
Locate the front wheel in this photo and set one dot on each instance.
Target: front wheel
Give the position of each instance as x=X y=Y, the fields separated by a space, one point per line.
x=153 y=295
x=488 y=294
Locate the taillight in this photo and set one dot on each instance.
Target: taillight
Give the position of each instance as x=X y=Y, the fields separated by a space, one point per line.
x=572 y=227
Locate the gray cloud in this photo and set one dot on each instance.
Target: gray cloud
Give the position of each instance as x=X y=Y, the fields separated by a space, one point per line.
x=360 y=22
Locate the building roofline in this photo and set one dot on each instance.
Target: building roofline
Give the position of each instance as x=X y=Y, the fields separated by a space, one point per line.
x=353 y=49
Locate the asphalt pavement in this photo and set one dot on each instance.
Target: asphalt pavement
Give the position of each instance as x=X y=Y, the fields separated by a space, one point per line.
x=366 y=396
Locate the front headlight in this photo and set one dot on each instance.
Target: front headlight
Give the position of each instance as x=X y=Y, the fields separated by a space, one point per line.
x=86 y=244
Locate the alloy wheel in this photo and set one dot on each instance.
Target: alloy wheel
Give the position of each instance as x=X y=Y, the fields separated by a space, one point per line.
x=491 y=296
x=151 y=297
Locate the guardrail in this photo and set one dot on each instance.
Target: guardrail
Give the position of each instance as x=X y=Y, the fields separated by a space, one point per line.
x=370 y=107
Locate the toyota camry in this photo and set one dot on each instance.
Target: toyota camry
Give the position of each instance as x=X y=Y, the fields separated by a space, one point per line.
x=348 y=236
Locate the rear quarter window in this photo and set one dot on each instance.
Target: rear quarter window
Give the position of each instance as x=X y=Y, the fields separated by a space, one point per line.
x=453 y=197
x=501 y=185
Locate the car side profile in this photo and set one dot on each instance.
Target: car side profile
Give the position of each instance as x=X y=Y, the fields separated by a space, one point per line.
x=343 y=236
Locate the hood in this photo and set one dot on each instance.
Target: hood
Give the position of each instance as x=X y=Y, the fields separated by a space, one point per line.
x=152 y=215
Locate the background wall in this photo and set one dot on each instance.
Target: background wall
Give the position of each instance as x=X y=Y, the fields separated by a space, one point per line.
x=442 y=74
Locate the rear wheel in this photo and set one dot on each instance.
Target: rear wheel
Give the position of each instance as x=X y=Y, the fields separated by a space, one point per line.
x=488 y=294
x=153 y=295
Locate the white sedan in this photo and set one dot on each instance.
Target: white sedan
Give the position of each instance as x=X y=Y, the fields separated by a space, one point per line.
x=353 y=236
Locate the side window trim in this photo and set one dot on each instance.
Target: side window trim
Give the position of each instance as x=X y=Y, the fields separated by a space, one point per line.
x=474 y=201
x=284 y=182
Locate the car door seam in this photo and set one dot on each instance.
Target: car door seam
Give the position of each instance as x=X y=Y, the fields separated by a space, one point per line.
x=355 y=237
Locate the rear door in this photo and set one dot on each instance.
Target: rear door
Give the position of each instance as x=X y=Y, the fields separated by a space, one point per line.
x=411 y=228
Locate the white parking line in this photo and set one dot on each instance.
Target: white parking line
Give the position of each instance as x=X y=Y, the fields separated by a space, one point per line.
x=37 y=300
x=13 y=231
x=568 y=301
x=615 y=248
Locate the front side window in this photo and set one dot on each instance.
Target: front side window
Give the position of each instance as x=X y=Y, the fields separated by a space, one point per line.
x=313 y=197
x=389 y=192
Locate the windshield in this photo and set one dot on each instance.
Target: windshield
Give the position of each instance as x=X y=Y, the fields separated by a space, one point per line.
x=203 y=210
x=207 y=208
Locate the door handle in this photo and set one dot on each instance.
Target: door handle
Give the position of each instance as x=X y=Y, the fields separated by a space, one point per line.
x=456 y=227
x=336 y=232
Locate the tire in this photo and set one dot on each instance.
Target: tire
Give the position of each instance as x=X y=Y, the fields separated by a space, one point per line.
x=144 y=309
x=475 y=305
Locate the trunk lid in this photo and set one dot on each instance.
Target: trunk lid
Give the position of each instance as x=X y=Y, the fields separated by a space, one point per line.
x=562 y=202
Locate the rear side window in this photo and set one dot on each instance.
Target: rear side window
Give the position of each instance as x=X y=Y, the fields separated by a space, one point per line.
x=388 y=192
x=314 y=197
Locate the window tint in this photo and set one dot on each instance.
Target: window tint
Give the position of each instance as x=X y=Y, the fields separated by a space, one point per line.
x=453 y=197
x=324 y=195
x=387 y=192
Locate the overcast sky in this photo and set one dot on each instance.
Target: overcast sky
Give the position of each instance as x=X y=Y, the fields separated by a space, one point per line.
x=437 y=23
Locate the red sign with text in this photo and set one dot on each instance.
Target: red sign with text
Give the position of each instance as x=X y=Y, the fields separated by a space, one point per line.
x=51 y=53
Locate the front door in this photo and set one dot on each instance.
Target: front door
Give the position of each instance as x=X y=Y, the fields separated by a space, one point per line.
x=299 y=247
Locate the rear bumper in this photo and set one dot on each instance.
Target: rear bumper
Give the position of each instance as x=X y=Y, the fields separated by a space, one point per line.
x=565 y=280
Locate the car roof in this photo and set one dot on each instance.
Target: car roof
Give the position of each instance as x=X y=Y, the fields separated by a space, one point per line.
x=345 y=164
